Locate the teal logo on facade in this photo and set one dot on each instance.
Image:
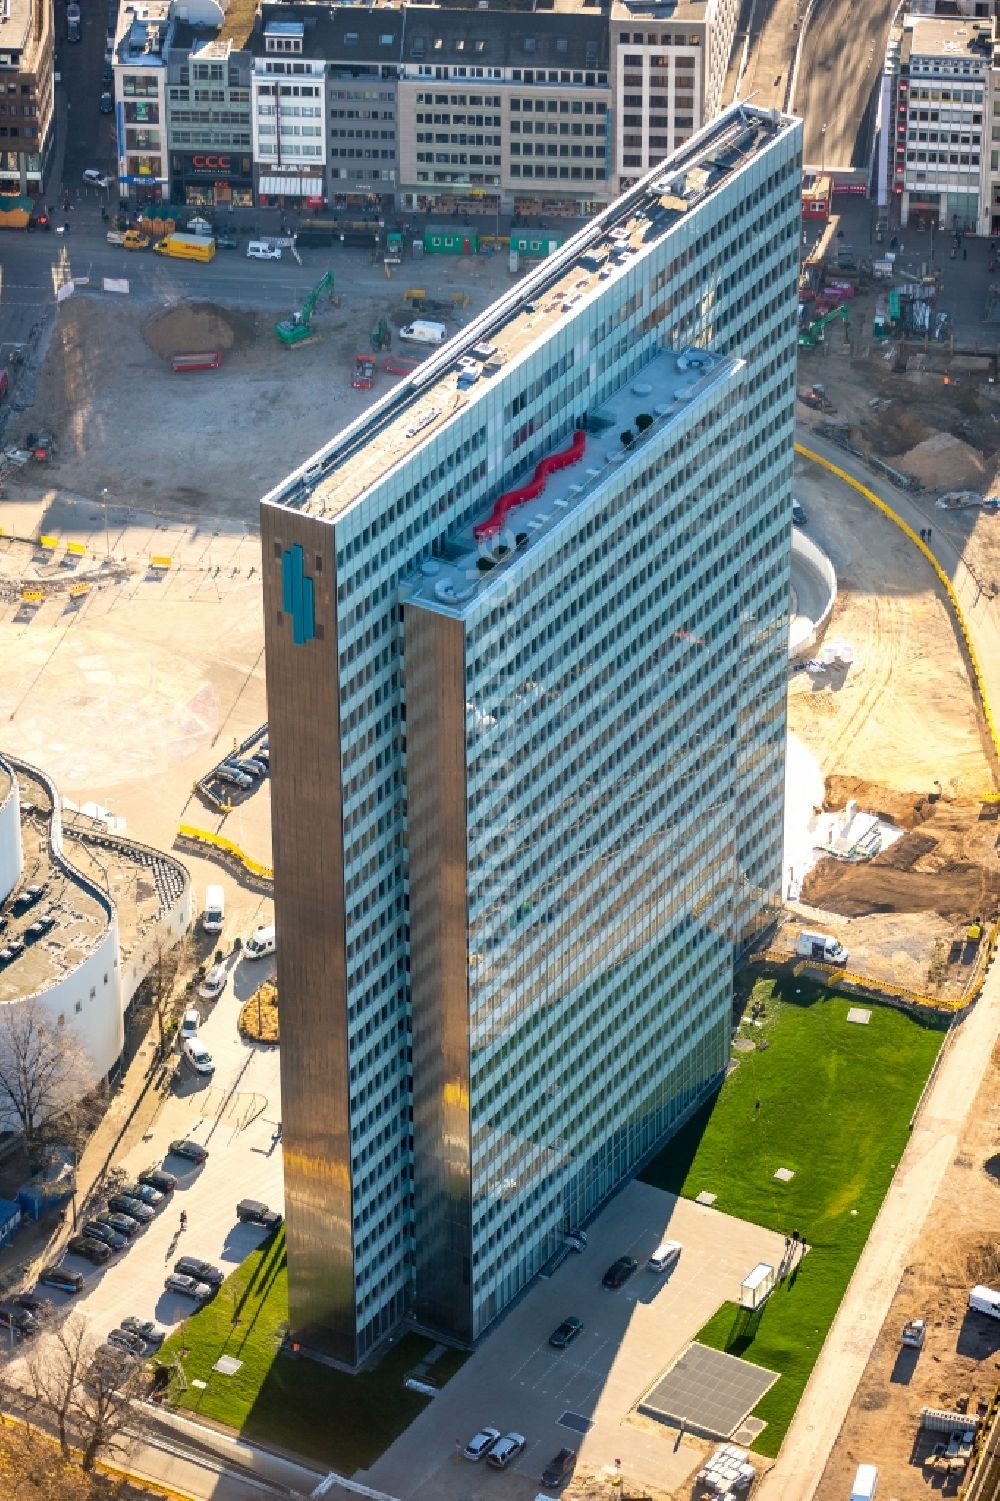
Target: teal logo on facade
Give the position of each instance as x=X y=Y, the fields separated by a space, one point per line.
x=298 y=595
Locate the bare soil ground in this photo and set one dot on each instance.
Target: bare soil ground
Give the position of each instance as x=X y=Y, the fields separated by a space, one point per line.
x=104 y=363
x=957 y=1249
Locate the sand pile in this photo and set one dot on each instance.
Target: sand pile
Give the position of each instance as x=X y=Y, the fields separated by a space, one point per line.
x=944 y=463
x=190 y=327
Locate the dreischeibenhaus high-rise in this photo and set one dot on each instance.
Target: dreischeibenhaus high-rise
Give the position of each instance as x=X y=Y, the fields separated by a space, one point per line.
x=526 y=627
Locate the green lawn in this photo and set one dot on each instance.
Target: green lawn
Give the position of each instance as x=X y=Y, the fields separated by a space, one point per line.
x=345 y=1421
x=832 y=1101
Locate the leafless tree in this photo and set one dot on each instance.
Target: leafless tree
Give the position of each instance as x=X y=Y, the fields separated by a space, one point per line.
x=44 y=1068
x=87 y=1390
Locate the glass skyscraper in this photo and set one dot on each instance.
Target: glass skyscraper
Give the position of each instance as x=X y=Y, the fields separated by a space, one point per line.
x=526 y=627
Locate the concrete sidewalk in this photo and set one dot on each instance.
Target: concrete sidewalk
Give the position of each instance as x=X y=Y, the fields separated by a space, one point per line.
x=933 y=1143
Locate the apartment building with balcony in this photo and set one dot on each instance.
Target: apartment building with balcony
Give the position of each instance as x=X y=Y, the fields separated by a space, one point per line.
x=670 y=66
x=27 y=110
x=526 y=693
x=940 y=164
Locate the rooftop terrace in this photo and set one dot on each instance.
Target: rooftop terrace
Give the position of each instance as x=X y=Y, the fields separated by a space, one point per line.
x=422 y=405
x=474 y=558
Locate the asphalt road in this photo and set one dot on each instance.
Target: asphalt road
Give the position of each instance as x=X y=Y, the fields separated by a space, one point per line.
x=839 y=70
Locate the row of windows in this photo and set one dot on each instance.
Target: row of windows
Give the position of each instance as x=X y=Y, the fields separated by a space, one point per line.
x=527 y=149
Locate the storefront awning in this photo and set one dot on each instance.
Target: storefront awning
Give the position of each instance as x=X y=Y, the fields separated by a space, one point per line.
x=291 y=187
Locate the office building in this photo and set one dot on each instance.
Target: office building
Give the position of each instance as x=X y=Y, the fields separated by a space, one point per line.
x=208 y=120
x=526 y=628
x=669 y=73
x=505 y=110
x=939 y=169
x=27 y=110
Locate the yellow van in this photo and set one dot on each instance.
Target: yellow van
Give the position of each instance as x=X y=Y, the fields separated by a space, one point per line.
x=187 y=247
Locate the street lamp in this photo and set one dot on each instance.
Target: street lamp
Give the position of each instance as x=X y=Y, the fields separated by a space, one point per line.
x=107 y=543
x=822 y=137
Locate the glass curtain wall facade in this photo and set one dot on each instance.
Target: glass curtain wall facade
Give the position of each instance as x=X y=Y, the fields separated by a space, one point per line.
x=603 y=882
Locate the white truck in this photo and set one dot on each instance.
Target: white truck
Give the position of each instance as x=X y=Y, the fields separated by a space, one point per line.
x=423 y=331
x=865 y=1483
x=985 y=1300
x=820 y=946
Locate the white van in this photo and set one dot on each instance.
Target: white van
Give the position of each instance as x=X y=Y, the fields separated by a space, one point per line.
x=214 y=914
x=198 y=1056
x=666 y=1255
x=261 y=944
x=262 y=250
x=821 y=946
x=423 y=331
x=865 y=1483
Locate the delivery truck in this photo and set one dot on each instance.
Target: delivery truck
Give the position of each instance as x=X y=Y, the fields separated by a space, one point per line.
x=820 y=946
x=985 y=1300
x=865 y=1485
x=187 y=247
x=423 y=331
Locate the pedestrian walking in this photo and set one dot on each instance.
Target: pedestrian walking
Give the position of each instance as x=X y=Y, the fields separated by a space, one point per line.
x=965 y=254
x=928 y=534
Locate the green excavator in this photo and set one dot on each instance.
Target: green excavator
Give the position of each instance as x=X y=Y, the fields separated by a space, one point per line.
x=814 y=335
x=298 y=328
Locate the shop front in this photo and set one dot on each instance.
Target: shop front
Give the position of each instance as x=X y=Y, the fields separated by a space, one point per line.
x=212 y=179
x=290 y=190
x=541 y=209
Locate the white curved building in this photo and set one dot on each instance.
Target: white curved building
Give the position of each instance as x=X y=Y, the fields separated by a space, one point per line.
x=83 y=964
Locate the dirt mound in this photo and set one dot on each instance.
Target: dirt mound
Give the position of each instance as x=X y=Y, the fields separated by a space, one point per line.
x=944 y=462
x=946 y=862
x=895 y=429
x=189 y=327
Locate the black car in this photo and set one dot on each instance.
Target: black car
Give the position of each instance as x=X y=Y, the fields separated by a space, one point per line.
x=107 y=103
x=112 y=1238
x=123 y=1223
x=32 y=1303
x=192 y=1150
x=201 y=1271
x=19 y=1321
x=566 y=1333
x=157 y=1178
x=253 y=1212
x=619 y=1272
x=145 y=1193
x=108 y=75
x=28 y=897
x=92 y=1250
x=61 y=1277
x=225 y=242
x=559 y=1469
x=134 y=1208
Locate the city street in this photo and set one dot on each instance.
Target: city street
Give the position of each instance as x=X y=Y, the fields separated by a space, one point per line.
x=839 y=69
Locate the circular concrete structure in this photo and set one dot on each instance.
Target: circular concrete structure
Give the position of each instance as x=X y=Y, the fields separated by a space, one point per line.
x=813 y=595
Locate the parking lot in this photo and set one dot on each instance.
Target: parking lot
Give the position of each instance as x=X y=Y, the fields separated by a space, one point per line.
x=236 y=1115
x=583 y=1397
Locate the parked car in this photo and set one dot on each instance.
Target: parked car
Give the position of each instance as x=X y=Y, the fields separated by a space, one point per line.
x=213 y=984
x=107 y=103
x=559 y=1469
x=27 y=898
x=565 y=1334
x=33 y=1303
x=149 y=1331
x=192 y=1150
x=666 y=1256
x=123 y=1223
x=124 y=1204
x=158 y=1178
x=113 y=1238
x=61 y=1277
x=92 y=1250
x=94 y=179
x=17 y=1321
x=225 y=242
x=188 y=1287
x=189 y=1026
x=251 y=766
x=145 y=1193
x=506 y=1449
x=196 y=1054
x=619 y=1272
x=799 y=517
x=253 y=1212
x=481 y=1443
x=202 y=1271
x=234 y=777
x=124 y=1339
x=107 y=74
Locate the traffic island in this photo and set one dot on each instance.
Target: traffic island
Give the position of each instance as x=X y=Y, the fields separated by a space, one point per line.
x=259 y=1016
